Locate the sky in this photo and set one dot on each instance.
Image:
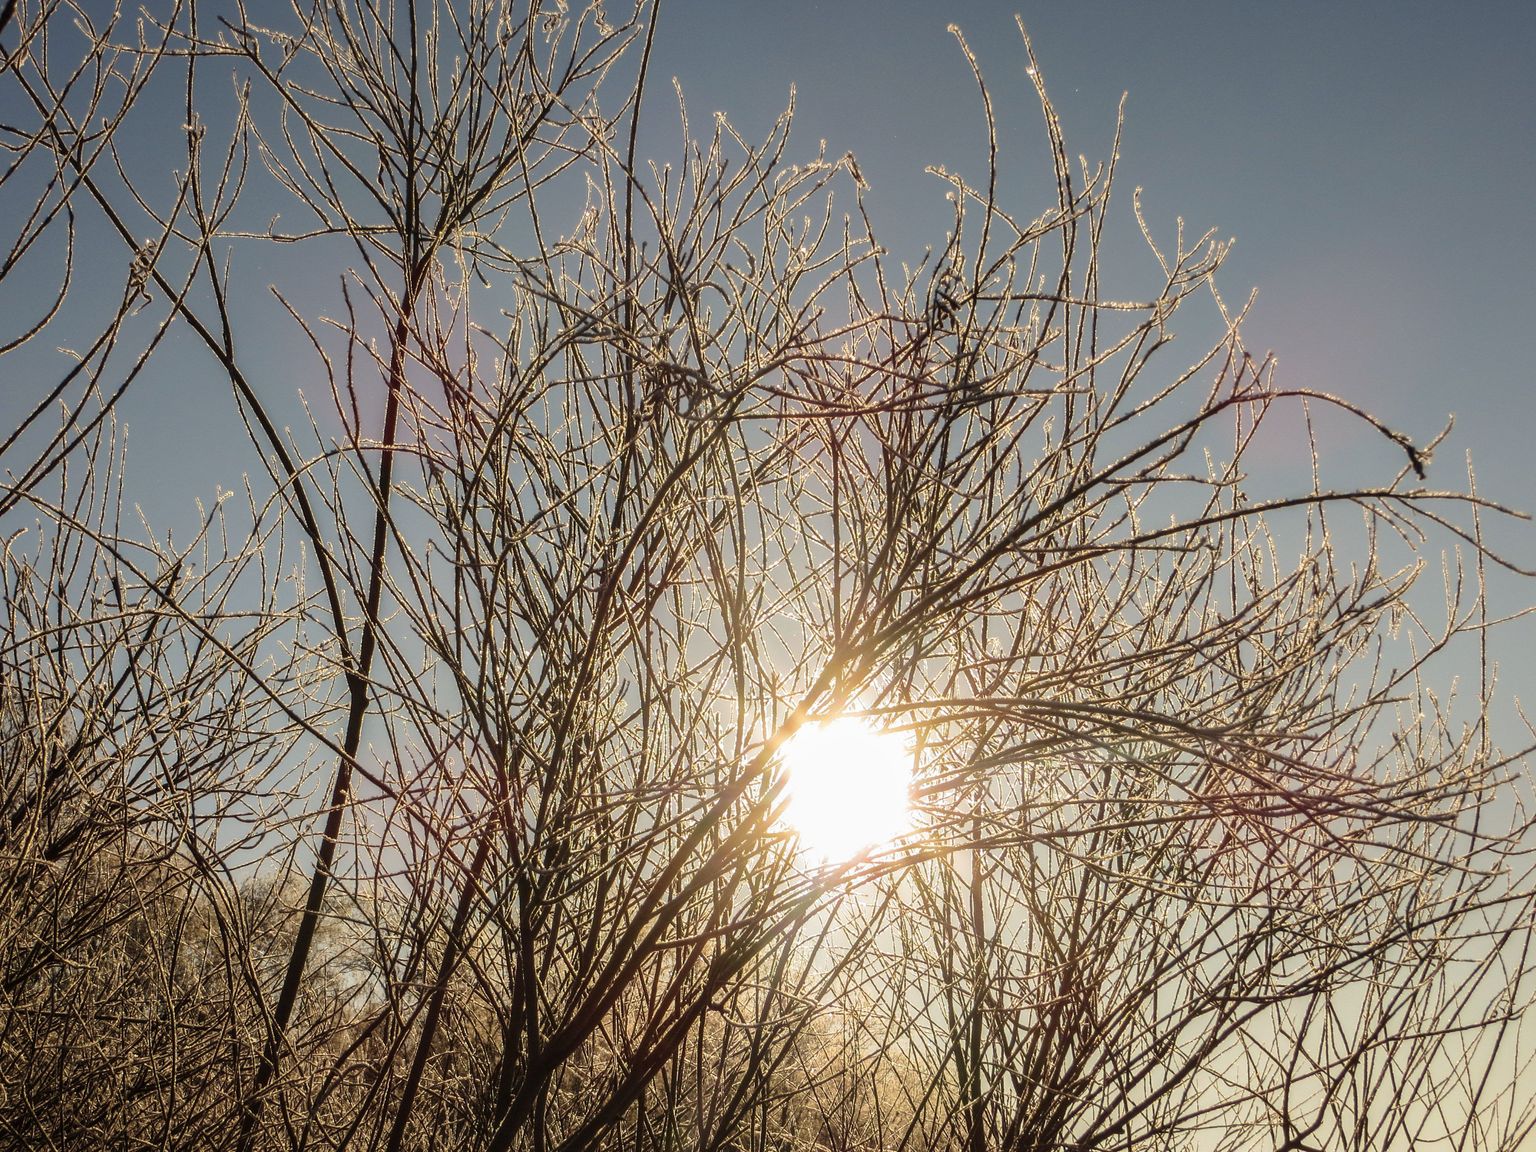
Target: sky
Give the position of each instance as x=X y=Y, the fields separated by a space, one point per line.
x=1373 y=162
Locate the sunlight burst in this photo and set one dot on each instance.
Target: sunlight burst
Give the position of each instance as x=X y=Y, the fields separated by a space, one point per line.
x=848 y=787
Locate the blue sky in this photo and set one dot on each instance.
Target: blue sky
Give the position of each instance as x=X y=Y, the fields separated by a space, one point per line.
x=1375 y=164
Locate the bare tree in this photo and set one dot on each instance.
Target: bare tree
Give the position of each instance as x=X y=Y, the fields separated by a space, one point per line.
x=433 y=795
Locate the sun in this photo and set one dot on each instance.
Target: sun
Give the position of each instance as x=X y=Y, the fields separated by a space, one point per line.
x=848 y=787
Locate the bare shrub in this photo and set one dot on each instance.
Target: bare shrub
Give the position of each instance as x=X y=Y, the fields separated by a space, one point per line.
x=431 y=795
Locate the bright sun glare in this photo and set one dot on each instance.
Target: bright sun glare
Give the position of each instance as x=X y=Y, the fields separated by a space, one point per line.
x=848 y=787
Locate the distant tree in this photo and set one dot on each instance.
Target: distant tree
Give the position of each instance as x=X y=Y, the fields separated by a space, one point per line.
x=431 y=796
